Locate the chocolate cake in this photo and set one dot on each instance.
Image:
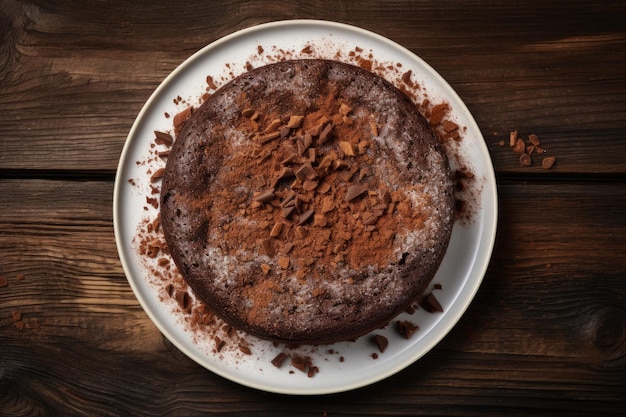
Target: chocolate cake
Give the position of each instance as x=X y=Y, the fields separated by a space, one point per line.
x=307 y=201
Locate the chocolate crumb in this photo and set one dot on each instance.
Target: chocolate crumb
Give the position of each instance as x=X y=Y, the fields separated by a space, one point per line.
x=548 y=162
x=520 y=147
x=3 y=282
x=381 y=342
x=245 y=349
x=157 y=175
x=299 y=362
x=219 y=344
x=184 y=301
x=534 y=139
x=17 y=315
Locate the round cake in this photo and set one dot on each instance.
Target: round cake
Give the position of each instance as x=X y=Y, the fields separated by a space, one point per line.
x=307 y=201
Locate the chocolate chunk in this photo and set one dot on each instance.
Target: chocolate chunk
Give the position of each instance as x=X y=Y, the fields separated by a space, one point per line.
x=406 y=328
x=381 y=342
x=268 y=246
x=548 y=162
x=431 y=304
x=183 y=300
x=279 y=359
x=306 y=172
x=347 y=148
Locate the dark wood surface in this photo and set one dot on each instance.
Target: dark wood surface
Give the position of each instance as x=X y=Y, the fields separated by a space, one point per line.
x=546 y=333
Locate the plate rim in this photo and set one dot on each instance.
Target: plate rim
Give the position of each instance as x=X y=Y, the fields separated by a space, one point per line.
x=488 y=228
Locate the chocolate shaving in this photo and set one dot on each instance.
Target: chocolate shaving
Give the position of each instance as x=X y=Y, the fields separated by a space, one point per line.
x=306 y=172
x=266 y=196
x=275 y=124
x=158 y=174
x=250 y=113
x=354 y=191
x=219 y=344
x=295 y=122
x=268 y=137
x=278 y=227
x=325 y=134
x=305 y=216
x=163 y=138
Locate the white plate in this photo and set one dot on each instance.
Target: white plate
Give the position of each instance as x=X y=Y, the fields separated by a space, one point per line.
x=462 y=269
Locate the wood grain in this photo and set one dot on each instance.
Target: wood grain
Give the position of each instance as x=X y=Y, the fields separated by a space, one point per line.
x=546 y=333
x=547 y=329
x=563 y=82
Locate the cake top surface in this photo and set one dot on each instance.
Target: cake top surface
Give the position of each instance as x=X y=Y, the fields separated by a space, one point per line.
x=307 y=201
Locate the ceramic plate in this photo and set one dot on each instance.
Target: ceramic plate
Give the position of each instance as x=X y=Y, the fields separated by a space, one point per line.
x=342 y=366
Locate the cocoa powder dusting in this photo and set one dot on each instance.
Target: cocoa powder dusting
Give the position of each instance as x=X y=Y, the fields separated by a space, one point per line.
x=306 y=198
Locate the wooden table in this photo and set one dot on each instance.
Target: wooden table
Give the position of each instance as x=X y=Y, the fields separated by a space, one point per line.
x=546 y=333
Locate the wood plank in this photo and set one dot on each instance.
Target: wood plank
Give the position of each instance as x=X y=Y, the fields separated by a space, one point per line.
x=74 y=78
x=546 y=331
